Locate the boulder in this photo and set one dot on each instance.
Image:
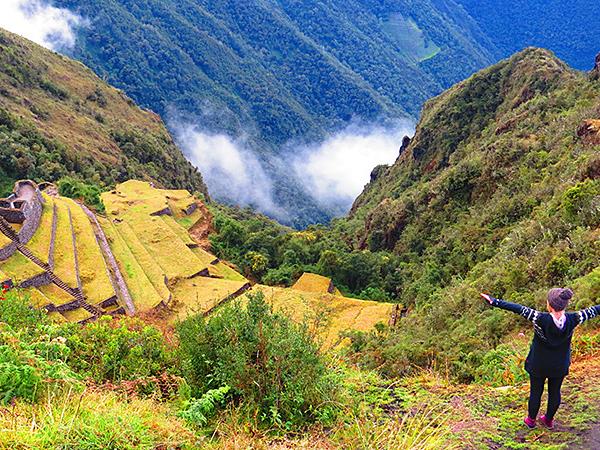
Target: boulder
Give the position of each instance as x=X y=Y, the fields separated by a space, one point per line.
x=589 y=131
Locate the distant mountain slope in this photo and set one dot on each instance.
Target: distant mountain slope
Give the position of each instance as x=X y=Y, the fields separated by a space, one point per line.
x=568 y=27
x=279 y=70
x=57 y=118
x=286 y=68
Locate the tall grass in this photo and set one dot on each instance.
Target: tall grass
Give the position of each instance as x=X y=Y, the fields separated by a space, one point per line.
x=92 y=420
x=425 y=428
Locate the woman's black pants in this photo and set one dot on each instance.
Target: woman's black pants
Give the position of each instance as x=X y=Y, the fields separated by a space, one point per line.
x=535 y=395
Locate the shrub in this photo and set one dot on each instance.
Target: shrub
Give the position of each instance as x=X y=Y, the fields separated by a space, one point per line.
x=271 y=364
x=114 y=350
x=28 y=369
x=581 y=203
x=16 y=312
x=502 y=366
x=30 y=361
x=89 y=193
x=198 y=411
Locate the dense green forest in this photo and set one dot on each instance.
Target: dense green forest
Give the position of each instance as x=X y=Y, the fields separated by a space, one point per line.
x=279 y=71
x=496 y=192
x=567 y=27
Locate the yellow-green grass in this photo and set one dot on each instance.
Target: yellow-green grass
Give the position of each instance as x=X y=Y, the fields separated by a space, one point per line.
x=220 y=269
x=55 y=294
x=188 y=222
x=3 y=276
x=329 y=314
x=204 y=256
x=4 y=240
x=76 y=315
x=134 y=202
x=39 y=244
x=142 y=291
x=179 y=231
x=57 y=317
x=37 y=298
x=94 y=419
x=19 y=268
x=311 y=282
x=179 y=201
x=134 y=197
x=64 y=250
x=154 y=273
x=95 y=281
x=228 y=273
x=168 y=251
x=201 y=294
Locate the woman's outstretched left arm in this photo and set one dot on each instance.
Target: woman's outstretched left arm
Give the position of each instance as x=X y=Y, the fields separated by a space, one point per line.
x=529 y=313
x=588 y=313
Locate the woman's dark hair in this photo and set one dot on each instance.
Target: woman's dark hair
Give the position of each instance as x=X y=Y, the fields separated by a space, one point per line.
x=559 y=298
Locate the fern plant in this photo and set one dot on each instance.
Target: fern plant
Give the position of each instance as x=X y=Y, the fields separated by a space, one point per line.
x=199 y=410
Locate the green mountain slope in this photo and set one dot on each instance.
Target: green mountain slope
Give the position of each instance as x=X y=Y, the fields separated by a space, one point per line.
x=567 y=27
x=59 y=119
x=279 y=71
x=499 y=191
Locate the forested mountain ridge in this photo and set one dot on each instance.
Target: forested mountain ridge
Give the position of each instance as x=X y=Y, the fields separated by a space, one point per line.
x=568 y=27
x=58 y=119
x=275 y=72
x=288 y=68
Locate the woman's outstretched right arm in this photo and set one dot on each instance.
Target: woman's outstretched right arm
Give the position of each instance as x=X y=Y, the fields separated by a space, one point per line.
x=529 y=313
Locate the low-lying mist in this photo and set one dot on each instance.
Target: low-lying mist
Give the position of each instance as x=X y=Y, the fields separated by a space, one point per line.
x=41 y=22
x=333 y=171
x=231 y=171
x=336 y=170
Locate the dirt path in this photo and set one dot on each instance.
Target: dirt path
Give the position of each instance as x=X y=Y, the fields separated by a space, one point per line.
x=203 y=227
x=583 y=401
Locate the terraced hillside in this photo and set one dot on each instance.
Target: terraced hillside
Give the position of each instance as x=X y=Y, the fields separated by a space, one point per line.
x=53 y=254
x=140 y=258
x=166 y=269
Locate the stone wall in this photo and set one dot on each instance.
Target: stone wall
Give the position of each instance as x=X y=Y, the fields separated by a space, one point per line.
x=7 y=251
x=33 y=213
x=39 y=280
x=12 y=215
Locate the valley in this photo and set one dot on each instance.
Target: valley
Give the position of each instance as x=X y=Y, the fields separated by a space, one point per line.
x=142 y=309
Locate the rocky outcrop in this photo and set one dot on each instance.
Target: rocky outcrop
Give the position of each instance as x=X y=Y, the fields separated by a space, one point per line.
x=589 y=131
x=378 y=171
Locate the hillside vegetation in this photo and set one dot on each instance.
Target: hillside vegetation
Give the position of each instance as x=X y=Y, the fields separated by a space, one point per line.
x=58 y=119
x=498 y=191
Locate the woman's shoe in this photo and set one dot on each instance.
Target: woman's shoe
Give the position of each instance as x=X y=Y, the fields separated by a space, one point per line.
x=529 y=422
x=548 y=423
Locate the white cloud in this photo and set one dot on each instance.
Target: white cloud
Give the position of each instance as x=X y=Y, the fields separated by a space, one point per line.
x=333 y=171
x=336 y=170
x=231 y=171
x=40 y=21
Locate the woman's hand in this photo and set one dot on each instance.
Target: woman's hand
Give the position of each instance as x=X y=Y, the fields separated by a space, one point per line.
x=487 y=298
